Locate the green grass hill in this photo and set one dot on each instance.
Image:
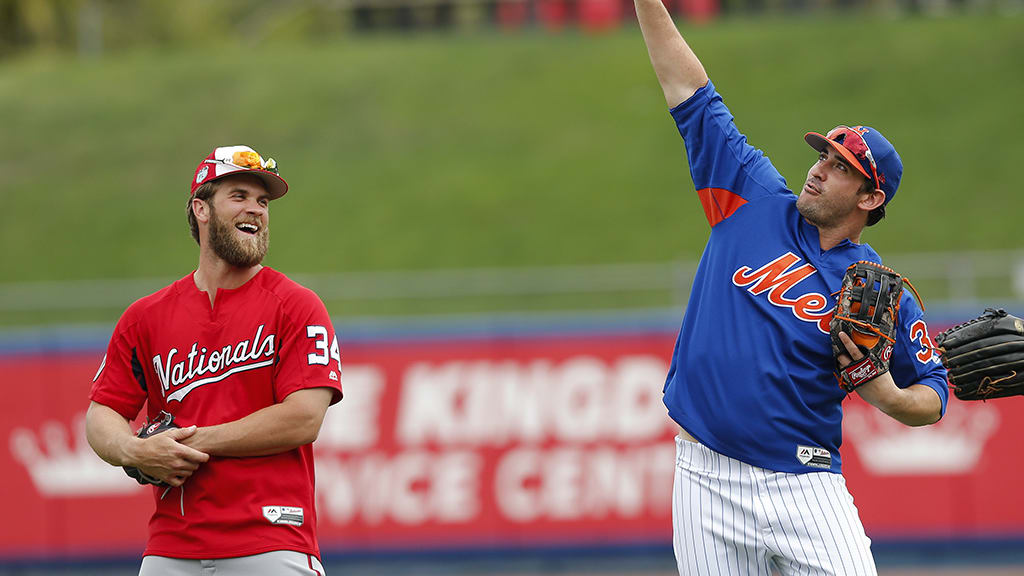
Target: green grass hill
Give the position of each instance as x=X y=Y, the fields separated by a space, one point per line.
x=494 y=150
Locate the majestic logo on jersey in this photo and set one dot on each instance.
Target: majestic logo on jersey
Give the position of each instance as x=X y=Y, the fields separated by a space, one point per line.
x=814 y=456
x=776 y=279
x=217 y=364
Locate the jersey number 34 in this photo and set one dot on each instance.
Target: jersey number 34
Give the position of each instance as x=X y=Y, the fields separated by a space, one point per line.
x=324 y=356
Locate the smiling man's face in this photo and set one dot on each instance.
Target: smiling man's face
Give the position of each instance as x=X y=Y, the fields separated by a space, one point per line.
x=239 y=227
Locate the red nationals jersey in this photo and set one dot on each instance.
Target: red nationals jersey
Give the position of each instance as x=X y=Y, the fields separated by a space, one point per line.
x=208 y=365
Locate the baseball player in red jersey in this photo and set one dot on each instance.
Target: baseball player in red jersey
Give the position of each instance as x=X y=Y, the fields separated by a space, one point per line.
x=247 y=362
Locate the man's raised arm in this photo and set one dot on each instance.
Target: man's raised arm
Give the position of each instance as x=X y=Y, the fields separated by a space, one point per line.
x=677 y=67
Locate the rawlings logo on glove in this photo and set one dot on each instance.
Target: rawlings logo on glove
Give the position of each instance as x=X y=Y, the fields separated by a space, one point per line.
x=862 y=372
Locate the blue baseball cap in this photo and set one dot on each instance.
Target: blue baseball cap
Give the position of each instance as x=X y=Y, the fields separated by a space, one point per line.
x=868 y=151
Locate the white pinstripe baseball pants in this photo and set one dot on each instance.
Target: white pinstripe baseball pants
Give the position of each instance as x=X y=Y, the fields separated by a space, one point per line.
x=729 y=517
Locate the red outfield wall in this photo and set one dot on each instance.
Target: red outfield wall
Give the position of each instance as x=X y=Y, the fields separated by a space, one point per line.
x=495 y=442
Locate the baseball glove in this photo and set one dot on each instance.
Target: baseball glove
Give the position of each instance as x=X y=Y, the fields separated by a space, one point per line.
x=867 y=310
x=985 y=356
x=163 y=422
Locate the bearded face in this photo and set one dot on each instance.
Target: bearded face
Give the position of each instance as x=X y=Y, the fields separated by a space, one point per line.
x=242 y=243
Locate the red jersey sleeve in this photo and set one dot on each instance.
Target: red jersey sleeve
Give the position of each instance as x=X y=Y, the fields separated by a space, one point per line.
x=309 y=352
x=119 y=384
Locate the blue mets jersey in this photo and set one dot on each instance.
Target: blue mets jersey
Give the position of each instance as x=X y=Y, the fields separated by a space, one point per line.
x=752 y=372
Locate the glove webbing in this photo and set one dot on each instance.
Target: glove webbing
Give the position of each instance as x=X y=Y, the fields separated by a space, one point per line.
x=868 y=293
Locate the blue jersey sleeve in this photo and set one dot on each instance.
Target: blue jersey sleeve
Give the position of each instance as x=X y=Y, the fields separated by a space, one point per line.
x=914 y=359
x=727 y=171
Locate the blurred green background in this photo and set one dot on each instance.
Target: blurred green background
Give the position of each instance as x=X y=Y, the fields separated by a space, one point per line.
x=451 y=157
x=473 y=146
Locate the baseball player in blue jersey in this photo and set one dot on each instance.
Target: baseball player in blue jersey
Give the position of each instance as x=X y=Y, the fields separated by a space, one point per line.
x=758 y=484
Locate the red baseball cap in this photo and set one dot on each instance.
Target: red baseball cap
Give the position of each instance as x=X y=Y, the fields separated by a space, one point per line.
x=227 y=160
